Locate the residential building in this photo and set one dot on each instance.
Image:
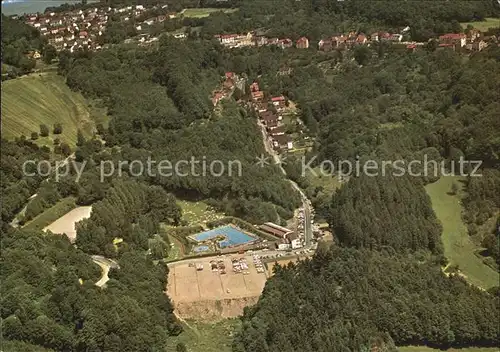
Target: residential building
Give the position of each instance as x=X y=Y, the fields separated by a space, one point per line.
x=302 y=43
x=325 y=45
x=458 y=39
x=285 y=43
x=479 y=45
x=282 y=142
x=396 y=37
x=278 y=101
x=257 y=96
x=275 y=230
x=361 y=39
x=473 y=34
x=254 y=87
x=269 y=118
x=277 y=131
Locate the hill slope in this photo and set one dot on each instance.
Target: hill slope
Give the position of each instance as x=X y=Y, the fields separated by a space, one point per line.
x=32 y=100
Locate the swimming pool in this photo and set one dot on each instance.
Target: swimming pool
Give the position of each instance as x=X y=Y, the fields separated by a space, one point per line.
x=233 y=236
x=201 y=248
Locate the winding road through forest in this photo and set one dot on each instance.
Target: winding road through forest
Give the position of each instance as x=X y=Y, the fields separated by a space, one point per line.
x=305 y=201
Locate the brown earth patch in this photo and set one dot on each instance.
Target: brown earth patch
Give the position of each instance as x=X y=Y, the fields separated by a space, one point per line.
x=210 y=295
x=213 y=310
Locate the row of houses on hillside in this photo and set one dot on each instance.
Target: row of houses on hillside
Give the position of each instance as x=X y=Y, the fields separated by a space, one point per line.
x=473 y=40
x=74 y=29
x=250 y=39
x=230 y=81
x=269 y=112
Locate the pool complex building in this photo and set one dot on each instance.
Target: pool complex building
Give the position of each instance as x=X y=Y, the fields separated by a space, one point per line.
x=232 y=236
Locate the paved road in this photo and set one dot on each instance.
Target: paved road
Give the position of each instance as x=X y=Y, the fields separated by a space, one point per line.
x=105 y=265
x=305 y=200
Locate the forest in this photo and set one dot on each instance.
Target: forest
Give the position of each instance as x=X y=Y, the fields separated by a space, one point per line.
x=320 y=18
x=17 y=40
x=346 y=299
x=395 y=212
x=16 y=187
x=48 y=299
x=166 y=116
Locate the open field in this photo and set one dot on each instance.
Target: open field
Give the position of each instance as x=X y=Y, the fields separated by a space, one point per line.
x=428 y=349
x=484 y=25
x=206 y=337
x=207 y=295
x=204 y=12
x=32 y=100
x=51 y=214
x=458 y=247
x=198 y=213
x=282 y=262
x=324 y=179
x=66 y=223
x=327 y=183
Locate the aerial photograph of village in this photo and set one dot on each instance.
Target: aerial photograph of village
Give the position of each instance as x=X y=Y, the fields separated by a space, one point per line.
x=250 y=176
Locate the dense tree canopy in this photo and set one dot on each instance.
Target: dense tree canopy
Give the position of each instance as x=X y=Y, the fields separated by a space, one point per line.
x=49 y=299
x=358 y=300
x=373 y=212
x=161 y=110
x=17 y=39
x=15 y=183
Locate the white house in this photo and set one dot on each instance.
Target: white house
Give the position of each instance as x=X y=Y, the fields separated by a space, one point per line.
x=283 y=246
x=296 y=243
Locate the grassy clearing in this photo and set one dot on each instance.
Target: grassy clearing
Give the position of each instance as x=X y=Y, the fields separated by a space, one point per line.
x=428 y=349
x=52 y=214
x=458 y=246
x=204 y=12
x=484 y=25
x=328 y=182
x=32 y=100
x=198 y=213
x=203 y=337
x=391 y=125
x=176 y=249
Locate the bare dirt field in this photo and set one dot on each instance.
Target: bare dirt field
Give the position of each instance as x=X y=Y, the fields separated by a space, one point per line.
x=66 y=223
x=208 y=295
x=282 y=262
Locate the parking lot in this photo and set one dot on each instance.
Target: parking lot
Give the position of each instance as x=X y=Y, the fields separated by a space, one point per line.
x=215 y=278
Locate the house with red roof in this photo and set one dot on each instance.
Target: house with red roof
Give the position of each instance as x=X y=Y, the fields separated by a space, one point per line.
x=217 y=97
x=361 y=39
x=285 y=43
x=279 y=102
x=458 y=39
x=257 y=95
x=302 y=43
x=254 y=87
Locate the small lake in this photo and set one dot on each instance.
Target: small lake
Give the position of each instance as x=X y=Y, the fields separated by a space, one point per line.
x=20 y=7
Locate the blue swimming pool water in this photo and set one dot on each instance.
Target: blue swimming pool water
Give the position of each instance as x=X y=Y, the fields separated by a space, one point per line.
x=201 y=248
x=233 y=236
